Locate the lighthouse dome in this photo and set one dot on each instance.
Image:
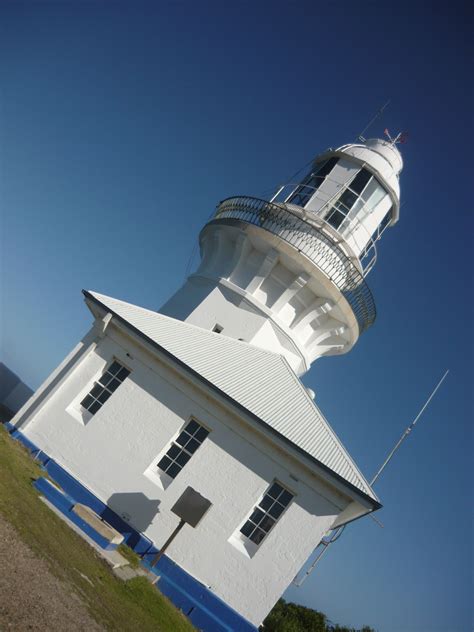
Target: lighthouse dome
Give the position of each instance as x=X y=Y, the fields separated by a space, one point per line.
x=389 y=151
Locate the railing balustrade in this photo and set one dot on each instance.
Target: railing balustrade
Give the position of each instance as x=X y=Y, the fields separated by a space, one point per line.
x=313 y=243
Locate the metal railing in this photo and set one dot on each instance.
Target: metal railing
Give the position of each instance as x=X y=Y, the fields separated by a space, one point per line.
x=331 y=204
x=313 y=243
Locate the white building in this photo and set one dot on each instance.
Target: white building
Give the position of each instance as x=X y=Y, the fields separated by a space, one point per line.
x=205 y=393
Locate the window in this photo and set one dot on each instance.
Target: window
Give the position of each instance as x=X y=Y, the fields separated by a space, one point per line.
x=182 y=448
x=378 y=232
x=336 y=215
x=359 y=183
x=308 y=187
x=266 y=513
x=348 y=198
x=385 y=222
x=103 y=389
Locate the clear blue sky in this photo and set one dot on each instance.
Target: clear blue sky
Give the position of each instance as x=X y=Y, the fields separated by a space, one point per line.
x=122 y=125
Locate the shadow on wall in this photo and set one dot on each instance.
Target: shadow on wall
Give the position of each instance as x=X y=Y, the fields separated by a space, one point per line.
x=191 y=295
x=135 y=508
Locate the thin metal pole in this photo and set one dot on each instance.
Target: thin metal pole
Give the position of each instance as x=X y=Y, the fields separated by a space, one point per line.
x=159 y=555
x=277 y=193
x=325 y=544
x=339 y=530
x=301 y=581
x=407 y=431
x=372 y=121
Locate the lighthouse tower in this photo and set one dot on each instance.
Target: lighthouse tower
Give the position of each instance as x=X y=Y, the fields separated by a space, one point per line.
x=203 y=400
x=289 y=274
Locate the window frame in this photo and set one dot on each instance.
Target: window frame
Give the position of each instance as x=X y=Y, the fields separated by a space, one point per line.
x=176 y=450
x=339 y=212
x=103 y=388
x=250 y=544
x=303 y=193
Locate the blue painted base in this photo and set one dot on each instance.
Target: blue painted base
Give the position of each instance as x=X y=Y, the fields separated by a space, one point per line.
x=204 y=609
x=38 y=454
x=65 y=503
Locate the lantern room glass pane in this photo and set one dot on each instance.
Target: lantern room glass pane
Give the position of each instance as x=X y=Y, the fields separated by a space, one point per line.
x=312 y=182
x=360 y=197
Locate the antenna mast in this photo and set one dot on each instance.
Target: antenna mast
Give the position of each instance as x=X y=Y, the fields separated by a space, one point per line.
x=338 y=532
x=372 y=121
x=408 y=430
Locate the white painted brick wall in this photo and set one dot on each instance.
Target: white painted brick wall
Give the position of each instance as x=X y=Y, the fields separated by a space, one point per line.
x=232 y=468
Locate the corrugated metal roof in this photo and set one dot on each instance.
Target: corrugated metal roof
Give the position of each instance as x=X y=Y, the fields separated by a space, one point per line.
x=259 y=380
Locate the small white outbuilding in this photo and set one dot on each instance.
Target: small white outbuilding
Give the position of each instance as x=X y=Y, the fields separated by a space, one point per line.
x=206 y=393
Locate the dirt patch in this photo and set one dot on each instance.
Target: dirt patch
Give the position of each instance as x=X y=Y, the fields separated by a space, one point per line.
x=31 y=597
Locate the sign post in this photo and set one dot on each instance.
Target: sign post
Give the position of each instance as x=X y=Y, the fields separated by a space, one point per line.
x=190 y=508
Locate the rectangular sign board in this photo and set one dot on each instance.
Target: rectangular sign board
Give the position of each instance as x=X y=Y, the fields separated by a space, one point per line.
x=191 y=506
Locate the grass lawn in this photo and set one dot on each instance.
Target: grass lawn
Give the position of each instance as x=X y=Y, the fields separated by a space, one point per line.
x=133 y=605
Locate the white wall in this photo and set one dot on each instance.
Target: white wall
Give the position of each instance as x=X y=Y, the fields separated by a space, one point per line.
x=232 y=468
x=262 y=300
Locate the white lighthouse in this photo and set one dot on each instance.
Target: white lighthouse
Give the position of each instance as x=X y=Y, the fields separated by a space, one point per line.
x=288 y=274
x=205 y=393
